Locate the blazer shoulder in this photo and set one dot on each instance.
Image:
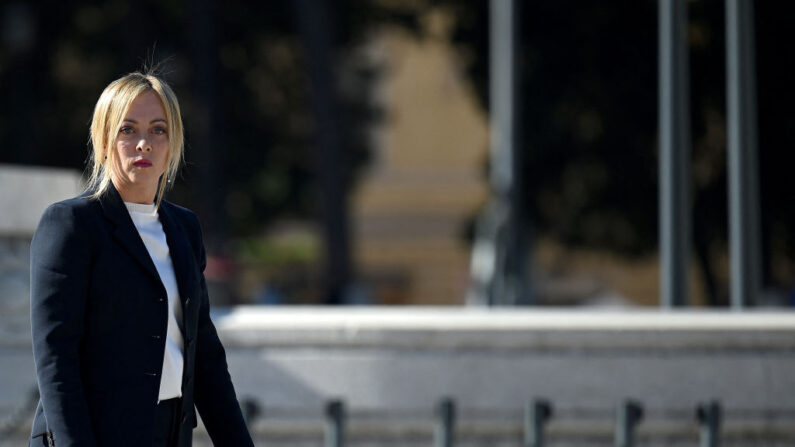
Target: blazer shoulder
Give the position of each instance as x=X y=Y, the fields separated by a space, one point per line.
x=80 y=207
x=180 y=212
x=183 y=216
x=65 y=227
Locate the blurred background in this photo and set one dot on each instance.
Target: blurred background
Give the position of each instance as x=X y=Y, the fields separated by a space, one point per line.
x=340 y=153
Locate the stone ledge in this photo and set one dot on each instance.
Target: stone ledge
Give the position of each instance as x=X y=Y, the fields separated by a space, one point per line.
x=522 y=329
x=496 y=319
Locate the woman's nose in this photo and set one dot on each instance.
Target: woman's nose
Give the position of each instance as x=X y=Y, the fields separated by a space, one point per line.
x=143 y=145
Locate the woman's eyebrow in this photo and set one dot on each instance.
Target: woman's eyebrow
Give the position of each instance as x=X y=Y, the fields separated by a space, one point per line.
x=130 y=120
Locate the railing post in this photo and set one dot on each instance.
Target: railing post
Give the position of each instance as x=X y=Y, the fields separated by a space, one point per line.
x=446 y=423
x=629 y=415
x=335 y=424
x=251 y=410
x=537 y=413
x=709 y=419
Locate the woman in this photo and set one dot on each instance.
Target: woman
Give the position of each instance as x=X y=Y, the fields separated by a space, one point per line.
x=122 y=338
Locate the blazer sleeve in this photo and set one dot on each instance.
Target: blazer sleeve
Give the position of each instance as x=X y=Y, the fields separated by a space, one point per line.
x=214 y=393
x=60 y=258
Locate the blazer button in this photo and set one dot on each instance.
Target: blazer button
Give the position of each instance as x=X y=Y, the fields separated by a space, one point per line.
x=184 y=418
x=187 y=301
x=156 y=336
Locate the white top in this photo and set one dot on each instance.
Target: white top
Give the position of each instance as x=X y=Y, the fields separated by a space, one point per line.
x=149 y=227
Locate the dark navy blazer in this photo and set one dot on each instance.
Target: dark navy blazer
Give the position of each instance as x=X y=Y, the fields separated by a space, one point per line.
x=99 y=318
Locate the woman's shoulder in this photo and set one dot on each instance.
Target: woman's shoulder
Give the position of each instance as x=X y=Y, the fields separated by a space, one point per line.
x=81 y=209
x=183 y=215
x=179 y=211
x=76 y=206
x=70 y=222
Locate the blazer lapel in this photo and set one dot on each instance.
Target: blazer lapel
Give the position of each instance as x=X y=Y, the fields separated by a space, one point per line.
x=125 y=231
x=180 y=249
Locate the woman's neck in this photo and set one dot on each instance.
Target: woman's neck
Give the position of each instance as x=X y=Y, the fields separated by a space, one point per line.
x=135 y=193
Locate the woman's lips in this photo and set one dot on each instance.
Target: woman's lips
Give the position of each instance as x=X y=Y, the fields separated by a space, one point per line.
x=143 y=163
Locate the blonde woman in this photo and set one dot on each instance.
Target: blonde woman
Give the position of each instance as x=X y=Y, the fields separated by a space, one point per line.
x=122 y=338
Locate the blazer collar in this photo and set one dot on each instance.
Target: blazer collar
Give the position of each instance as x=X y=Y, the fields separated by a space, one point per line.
x=125 y=231
x=179 y=246
x=180 y=249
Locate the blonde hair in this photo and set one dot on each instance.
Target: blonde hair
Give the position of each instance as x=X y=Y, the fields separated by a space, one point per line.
x=109 y=113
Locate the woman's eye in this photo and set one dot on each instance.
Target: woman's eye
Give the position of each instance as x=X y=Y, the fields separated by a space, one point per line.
x=159 y=130
x=126 y=130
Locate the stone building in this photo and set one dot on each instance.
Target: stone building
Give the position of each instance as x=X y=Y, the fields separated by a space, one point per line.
x=426 y=181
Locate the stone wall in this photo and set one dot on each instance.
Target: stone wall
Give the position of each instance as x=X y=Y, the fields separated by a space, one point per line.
x=392 y=366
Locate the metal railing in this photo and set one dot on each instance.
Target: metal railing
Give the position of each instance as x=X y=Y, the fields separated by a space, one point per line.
x=629 y=414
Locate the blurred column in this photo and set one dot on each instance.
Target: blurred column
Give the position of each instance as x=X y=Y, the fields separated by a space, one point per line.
x=674 y=123
x=208 y=154
x=315 y=26
x=499 y=255
x=744 y=224
x=502 y=98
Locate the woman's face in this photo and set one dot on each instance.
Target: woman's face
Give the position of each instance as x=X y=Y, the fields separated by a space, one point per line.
x=141 y=149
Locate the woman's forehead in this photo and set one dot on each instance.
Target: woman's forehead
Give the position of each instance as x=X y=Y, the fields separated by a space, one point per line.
x=146 y=107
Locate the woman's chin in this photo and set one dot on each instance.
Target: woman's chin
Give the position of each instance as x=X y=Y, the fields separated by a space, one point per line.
x=144 y=179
